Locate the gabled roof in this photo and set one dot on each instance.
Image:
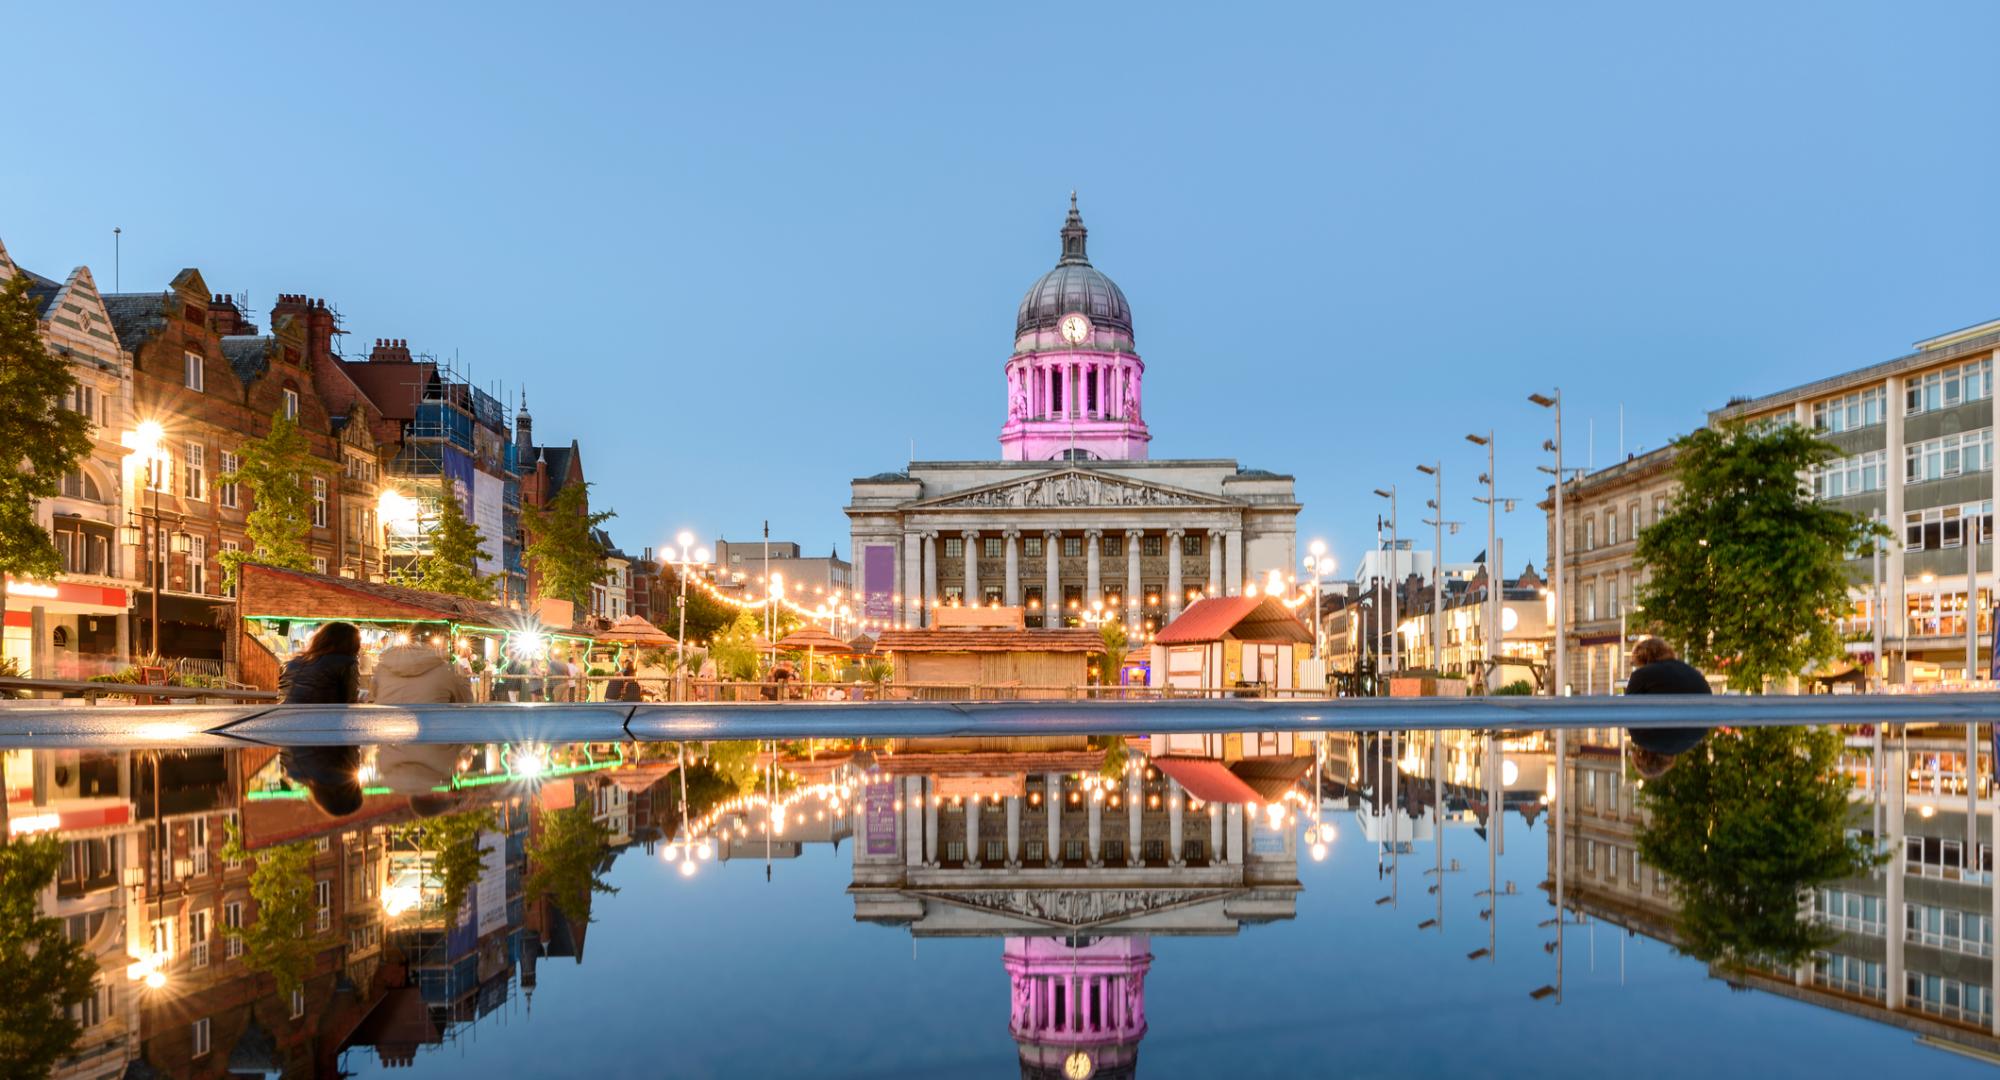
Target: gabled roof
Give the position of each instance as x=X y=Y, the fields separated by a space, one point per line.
x=394 y=387
x=358 y=599
x=249 y=355
x=990 y=641
x=136 y=317
x=1258 y=780
x=1239 y=618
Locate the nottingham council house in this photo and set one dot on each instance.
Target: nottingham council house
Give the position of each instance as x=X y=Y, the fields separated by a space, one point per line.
x=1075 y=513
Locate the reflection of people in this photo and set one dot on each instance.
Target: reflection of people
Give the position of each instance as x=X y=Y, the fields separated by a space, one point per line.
x=1656 y=670
x=414 y=674
x=328 y=672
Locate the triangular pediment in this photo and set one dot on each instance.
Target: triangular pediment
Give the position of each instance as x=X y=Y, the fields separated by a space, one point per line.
x=1076 y=909
x=1071 y=488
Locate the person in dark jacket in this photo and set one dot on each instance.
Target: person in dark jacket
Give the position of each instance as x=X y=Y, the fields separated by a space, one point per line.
x=328 y=672
x=624 y=687
x=1656 y=670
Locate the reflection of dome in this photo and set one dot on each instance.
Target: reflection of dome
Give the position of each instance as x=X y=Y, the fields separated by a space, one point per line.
x=1079 y=1007
x=1074 y=285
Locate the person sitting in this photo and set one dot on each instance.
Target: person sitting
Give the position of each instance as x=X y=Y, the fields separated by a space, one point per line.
x=624 y=687
x=1656 y=670
x=414 y=674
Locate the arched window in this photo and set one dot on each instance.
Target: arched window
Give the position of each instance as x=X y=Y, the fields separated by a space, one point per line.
x=80 y=485
x=1075 y=455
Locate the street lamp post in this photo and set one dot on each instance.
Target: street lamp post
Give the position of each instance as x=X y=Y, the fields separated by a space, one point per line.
x=1495 y=591
x=1318 y=562
x=1554 y=401
x=1395 y=583
x=684 y=557
x=1436 y=472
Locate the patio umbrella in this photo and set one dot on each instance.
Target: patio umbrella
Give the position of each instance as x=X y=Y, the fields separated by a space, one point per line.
x=633 y=630
x=814 y=640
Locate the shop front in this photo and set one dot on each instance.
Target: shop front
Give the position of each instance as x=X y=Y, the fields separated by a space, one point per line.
x=65 y=630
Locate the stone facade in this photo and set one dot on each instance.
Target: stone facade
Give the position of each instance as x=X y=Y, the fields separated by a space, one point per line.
x=1604 y=512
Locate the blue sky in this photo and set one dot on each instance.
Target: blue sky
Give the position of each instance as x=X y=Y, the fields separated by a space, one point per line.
x=745 y=253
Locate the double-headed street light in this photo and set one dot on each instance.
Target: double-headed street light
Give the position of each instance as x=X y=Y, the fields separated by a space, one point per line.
x=684 y=556
x=1395 y=584
x=1317 y=562
x=1495 y=564
x=1554 y=401
x=1438 y=523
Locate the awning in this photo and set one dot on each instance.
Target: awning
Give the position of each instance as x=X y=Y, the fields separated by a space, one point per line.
x=1208 y=780
x=193 y=610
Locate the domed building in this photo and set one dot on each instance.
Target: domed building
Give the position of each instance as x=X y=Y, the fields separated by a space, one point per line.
x=1076 y=517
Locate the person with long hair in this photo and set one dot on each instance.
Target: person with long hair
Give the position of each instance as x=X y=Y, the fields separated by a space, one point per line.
x=328 y=672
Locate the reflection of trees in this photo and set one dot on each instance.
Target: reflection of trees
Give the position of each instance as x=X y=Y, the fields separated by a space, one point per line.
x=456 y=855
x=564 y=858
x=1746 y=824
x=43 y=972
x=279 y=941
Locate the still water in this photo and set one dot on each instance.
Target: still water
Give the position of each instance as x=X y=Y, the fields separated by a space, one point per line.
x=1176 y=905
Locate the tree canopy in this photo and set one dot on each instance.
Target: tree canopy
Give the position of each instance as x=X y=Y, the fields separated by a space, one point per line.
x=1746 y=824
x=278 y=470
x=44 y=972
x=452 y=564
x=705 y=614
x=1747 y=572
x=563 y=860
x=279 y=939
x=566 y=558
x=45 y=440
x=456 y=853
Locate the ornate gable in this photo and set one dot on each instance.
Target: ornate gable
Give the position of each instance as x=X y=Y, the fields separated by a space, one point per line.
x=78 y=309
x=1068 y=488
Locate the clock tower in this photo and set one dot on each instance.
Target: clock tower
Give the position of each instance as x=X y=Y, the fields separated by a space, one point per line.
x=1073 y=383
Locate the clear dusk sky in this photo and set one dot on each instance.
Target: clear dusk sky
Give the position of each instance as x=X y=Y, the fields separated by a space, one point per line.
x=747 y=252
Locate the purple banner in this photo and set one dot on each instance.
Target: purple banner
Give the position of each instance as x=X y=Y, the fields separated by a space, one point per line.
x=879 y=817
x=878 y=576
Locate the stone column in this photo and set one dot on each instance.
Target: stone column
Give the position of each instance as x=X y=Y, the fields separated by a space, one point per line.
x=1215 y=562
x=1013 y=831
x=1135 y=543
x=41 y=654
x=913 y=580
x=1175 y=588
x=1232 y=572
x=1052 y=802
x=930 y=574
x=1135 y=802
x=1096 y=814
x=973 y=597
x=1052 y=598
x=972 y=851
x=1215 y=814
x=930 y=822
x=1010 y=587
x=1093 y=587
x=1233 y=832
x=124 y=623
x=1176 y=806
x=913 y=820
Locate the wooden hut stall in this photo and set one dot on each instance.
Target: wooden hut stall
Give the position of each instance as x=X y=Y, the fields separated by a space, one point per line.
x=992 y=649
x=1228 y=643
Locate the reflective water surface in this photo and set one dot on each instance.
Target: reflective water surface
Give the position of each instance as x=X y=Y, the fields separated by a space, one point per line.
x=1760 y=902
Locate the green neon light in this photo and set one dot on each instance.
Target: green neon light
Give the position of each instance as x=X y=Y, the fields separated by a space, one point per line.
x=548 y=772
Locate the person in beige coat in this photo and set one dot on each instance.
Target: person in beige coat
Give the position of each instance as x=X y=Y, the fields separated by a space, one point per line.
x=416 y=675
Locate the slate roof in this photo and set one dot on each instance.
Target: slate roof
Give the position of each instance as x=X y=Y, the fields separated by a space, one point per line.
x=558 y=459
x=136 y=317
x=41 y=289
x=248 y=355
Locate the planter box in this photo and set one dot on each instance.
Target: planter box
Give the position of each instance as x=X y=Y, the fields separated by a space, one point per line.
x=1425 y=686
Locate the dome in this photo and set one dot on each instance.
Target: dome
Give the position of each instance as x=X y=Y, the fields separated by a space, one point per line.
x=1074 y=285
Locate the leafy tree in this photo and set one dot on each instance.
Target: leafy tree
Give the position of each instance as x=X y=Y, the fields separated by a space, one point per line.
x=565 y=557
x=735 y=649
x=1115 y=651
x=453 y=841
x=45 y=440
x=278 y=469
x=451 y=564
x=279 y=941
x=43 y=971
x=705 y=614
x=1747 y=571
x=1747 y=824
x=563 y=860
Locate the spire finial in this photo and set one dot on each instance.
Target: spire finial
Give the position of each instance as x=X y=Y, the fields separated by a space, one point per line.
x=1074 y=234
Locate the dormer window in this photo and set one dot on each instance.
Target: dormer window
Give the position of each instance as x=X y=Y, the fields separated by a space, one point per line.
x=191 y=367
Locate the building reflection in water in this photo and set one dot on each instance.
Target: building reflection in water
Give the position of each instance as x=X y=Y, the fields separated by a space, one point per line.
x=1909 y=944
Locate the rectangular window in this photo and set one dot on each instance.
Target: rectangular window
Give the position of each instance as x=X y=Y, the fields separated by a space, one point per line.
x=198 y=938
x=1856 y=410
x=1112 y=547
x=954 y=547
x=1072 y=546
x=198 y=582
x=1032 y=547
x=323 y=900
x=1072 y=597
x=225 y=492
x=194 y=477
x=291 y=404
x=954 y=595
x=160 y=472
x=319 y=502
x=991 y=544
x=319 y=564
x=232 y=919
x=1611 y=528
x=298 y=1002
x=191 y=367
x=199 y=1034
x=1590 y=534
x=1192 y=851
x=1032 y=852
x=231 y=545
x=1191 y=544
x=1152 y=546
x=1032 y=597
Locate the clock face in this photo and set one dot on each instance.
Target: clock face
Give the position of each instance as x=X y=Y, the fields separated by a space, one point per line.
x=1075 y=328
x=1078 y=1066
